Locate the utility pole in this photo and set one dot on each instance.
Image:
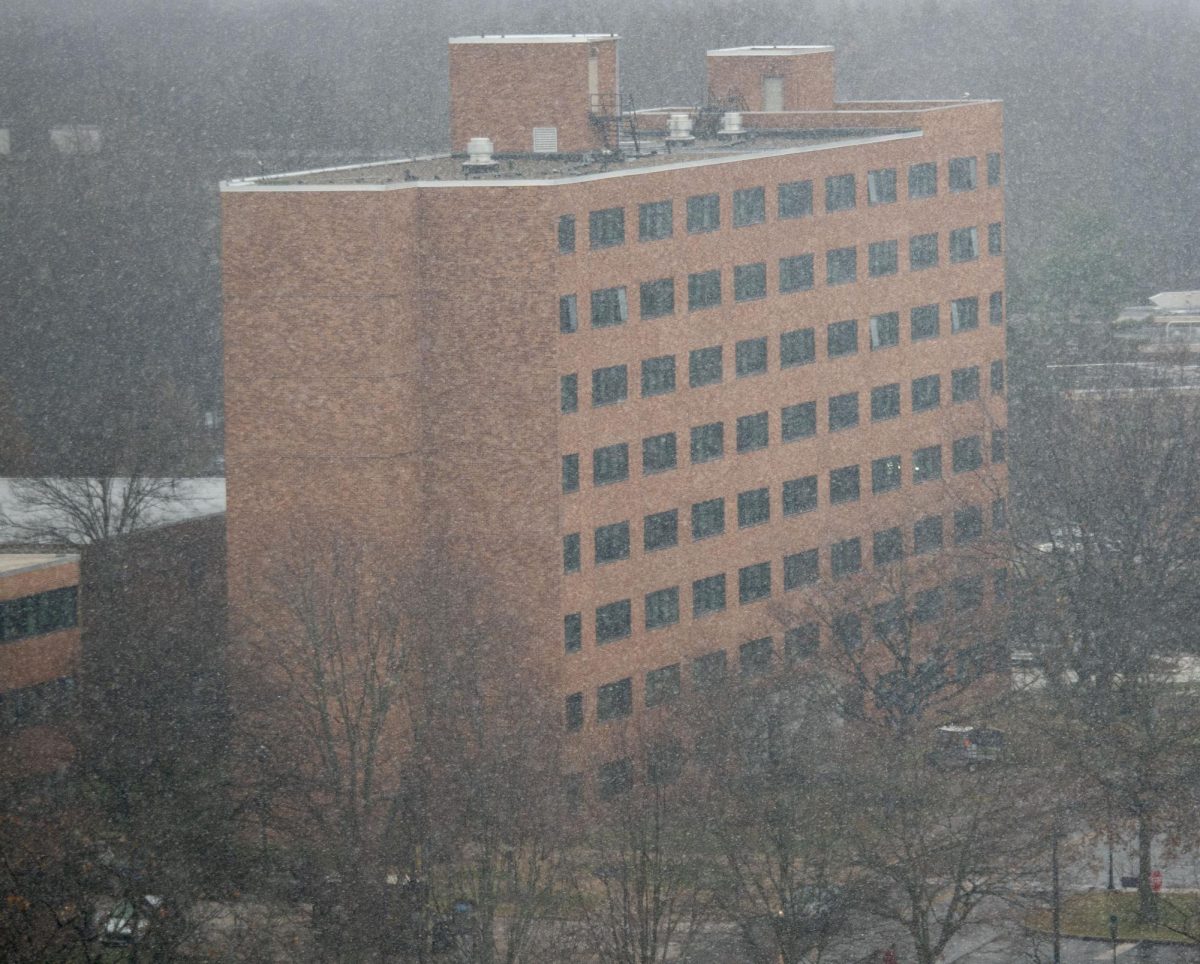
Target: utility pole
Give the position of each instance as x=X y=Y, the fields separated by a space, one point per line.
x=1056 y=893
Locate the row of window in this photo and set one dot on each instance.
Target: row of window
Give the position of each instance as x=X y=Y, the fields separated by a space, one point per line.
x=45 y=612
x=47 y=702
x=661 y=607
x=794 y=199
x=656 y=299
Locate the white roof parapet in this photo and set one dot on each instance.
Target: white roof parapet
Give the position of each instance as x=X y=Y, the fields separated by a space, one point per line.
x=534 y=38
x=764 y=50
x=1175 y=300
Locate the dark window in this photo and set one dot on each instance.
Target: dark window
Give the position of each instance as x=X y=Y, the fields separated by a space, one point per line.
x=708 y=442
x=613 y=621
x=797 y=347
x=887 y=546
x=963 y=175
x=964 y=245
x=754 y=657
x=749 y=206
x=928 y=605
x=999 y=514
x=968 y=524
x=704 y=366
x=927 y=534
x=606 y=228
x=801 y=569
x=924 y=322
x=922 y=180
x=574 y=711
x=704 y=290
x=993 y=170
x=883 y=258
x=996 y=308
x=658 y=375
x=843 y=411
x=996 y=378
x=609 y=307
x=842 y=338
x=708 y=518
x=609 y=385
x=610 y=464
x=568 y=314
x=964 y=384
x=847 y=631
x=568 y=394
x=967 y=454
x=839 y=192
x=657 y=298
x=566 y=234
x=573 y=632
x=658 y=453
x=881 y=186
x=749 y=281
x=799 y=495
x=841 y=266
x=654 y=220
x=795 y=199
x=662 y=608
x=750 y=357
x=843 y=484
x=708 y=595
x=660 y=530
x=885 y=402
x=798 y=421
x=703 y=213
x=927 y=464
x=998 y=445
x=885 y=474
x=754 y=582
x=34 y=615
x=795 y=273
x=885 y=330
x=709 y=670
x=801 y=642
x=995 y=236
x=922 y=251
x=614 y=700
x=754 y=507
x=571 y=554
x=926 y=392
x=662 y=685
x=614 y=779
x=612 y=542
x=887 y=619
x=1000 y=584
x=752 y=432
x=570 y=473
x=968 y=593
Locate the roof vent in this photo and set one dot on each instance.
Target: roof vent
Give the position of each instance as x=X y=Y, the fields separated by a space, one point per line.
x=680 y=129
x=479 y=155
x=731 y=124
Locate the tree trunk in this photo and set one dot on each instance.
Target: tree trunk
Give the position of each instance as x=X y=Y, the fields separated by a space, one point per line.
x=1147 y=899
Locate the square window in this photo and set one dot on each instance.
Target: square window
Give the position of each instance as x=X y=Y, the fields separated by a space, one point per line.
x=749 y=281
x=708 y=442
x=968 y=525
x=655 y=220
x=568 y=314
x=847 y=631
x=606 y=228
x=887 y=546
x=795 y=199
x=574 y=711
x=801 y=642
x=704 y=366
x=885 y=474
x=708 y=595
x=927 y=534
x=839 y=192
x=885 y=330
x=614 y=779
x=843 y=411
x=703 y=213
x=922 y=180
x=664 y=762
x=798 y=421
x=566 y=234
x=799 y=495
x=795 y=273
x=801 y=569
x=708 y=519
x=996 y=378
x=612 y=542
x=568 y=394
x=750 y=357
x=613 y=621
x=841 y=266
x=1000 y=584
x=754 y=583
x=993 y=169
x=704 y=290
x=571 y=554
x=573 y=632
x=999 y=515
x=924 y=321
x=998 y=445
x=922 y=252
x=754 y=657
x=749 y=206
x=926 y=392
x=995 y=238
x=843 y=484
x=754 y=507
x=570 y=473
x=996 y=308
x=658 y=375
x=657 y=298
x=842 y=338
x=967 y=454
x=610 y=464
x=928 y=605
x=887 y=619
x=797 y=347
x=752 y=432
x=927 y=464
x=662 y=608
x=881 y=186
x=609 y=307
x=964 y=384
x=963 y=174
x=883 y=258
x=609 y=385
x=709 y=670
x=885 y=402
x=658 y=453
x=614 y=700
x=968 y=593
x=964 y=245
x=662 y=685
x=660 y=530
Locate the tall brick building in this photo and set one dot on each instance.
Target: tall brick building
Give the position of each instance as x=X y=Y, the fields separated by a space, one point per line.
x=639 y=375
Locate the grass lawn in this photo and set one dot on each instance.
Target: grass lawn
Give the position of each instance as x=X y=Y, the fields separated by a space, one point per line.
x=1086 y=915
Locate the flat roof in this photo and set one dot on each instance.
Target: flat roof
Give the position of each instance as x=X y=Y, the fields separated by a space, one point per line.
x=13 y=562
x=771 y=50
x=535 y=38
